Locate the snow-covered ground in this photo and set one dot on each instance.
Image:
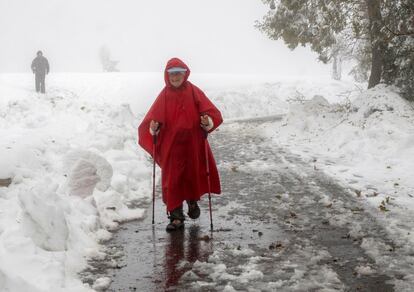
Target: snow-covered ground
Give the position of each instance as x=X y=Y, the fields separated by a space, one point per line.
x=75 y=169
x=367 y=140
x=75 y=165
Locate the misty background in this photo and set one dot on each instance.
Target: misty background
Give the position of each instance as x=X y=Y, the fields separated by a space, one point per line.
x=211 y=36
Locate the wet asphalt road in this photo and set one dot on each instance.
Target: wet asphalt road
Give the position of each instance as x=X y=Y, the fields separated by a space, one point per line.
x=280 y=225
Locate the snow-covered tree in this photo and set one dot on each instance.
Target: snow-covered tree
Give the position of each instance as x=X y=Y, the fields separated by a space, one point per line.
x=399 y=57
x=108 y=65
x=341 y=51
x=378 y=34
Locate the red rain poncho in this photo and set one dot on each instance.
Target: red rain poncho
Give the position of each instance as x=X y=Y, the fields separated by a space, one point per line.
x=180 y=150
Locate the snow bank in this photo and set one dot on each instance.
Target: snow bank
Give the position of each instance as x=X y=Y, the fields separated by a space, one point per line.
x=271 y=96
x=75 y=171
x=366 y=140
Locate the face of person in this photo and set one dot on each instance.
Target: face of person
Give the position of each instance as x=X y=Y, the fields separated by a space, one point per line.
x=176 y=79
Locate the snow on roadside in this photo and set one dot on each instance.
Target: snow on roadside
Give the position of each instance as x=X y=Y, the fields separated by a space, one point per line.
x=75 y=171
x=365 y=140
x=368 y=143
x=271 y=96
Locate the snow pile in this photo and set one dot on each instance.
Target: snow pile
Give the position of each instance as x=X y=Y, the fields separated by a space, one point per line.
x=364 y=270
x=102 y=284
x=75 y=172
x=87 y=171
x=49 y=232
x=368 y=142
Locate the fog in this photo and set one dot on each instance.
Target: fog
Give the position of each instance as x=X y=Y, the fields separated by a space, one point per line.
x=211 y=36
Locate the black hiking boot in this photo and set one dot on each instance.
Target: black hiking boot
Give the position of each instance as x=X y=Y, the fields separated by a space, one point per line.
x=193 y=209
x=176 y=219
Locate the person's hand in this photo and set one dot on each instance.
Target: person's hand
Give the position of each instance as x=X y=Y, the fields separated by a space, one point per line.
x=154 y=127
x=206 y=122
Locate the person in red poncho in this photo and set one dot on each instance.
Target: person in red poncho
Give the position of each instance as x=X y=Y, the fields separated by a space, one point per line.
x=180 y=117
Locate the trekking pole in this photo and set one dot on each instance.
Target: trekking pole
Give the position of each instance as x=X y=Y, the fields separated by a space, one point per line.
x=154 y=142
x=208 y=179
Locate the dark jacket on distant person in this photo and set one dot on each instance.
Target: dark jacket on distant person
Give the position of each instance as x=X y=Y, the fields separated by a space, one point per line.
x=40 y=65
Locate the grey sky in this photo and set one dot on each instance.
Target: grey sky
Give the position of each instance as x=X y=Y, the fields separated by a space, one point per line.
x=210 y=35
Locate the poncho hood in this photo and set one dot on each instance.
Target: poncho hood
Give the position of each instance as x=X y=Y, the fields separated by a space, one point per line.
x=175 y=62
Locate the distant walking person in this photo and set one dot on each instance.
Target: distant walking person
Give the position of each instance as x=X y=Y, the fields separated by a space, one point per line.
x=40 y=67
